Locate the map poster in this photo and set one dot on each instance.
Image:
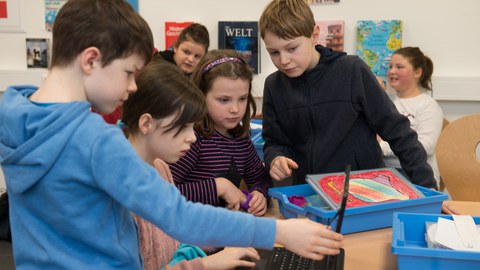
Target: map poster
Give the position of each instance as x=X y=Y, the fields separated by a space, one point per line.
x=51 y=9
x=376 y=42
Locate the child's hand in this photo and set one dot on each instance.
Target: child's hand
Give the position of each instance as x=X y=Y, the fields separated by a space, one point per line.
x=281 y=168
x=258 y=204
x=448 y=209
x=230 y=258
x=230 y=193
x=308 y=238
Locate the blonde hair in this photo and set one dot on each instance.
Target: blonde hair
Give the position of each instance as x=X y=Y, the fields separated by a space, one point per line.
x=287 y=19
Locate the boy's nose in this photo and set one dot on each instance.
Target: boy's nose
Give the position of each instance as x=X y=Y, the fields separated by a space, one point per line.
x=132 y=86
x=284 y=59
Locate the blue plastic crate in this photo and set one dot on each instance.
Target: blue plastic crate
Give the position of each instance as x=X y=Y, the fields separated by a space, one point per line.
x=256 y=136
x=356 y=219
x=408 y=242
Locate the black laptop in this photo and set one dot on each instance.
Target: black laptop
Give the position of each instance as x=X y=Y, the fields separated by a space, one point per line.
x=282 y=259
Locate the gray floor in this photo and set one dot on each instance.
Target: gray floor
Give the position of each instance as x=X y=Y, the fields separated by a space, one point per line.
x=6 y=257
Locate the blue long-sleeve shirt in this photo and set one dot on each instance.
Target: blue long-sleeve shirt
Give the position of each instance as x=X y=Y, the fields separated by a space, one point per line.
x=73 y=181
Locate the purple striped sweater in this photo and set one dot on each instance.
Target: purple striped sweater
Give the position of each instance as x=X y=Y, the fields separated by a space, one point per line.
x=219 y=156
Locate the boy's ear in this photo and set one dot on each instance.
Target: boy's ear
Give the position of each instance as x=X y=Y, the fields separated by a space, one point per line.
x=315 y=34
x=145 y=123
x=90 y=58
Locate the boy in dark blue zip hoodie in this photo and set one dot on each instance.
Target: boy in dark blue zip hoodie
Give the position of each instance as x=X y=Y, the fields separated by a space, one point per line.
x=322 y=109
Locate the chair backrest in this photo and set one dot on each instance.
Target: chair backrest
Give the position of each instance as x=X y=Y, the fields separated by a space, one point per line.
x=442 y=185
x=445 y=123
x=457 y=158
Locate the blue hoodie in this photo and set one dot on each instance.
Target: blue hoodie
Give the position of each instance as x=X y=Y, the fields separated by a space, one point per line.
x=72 y=181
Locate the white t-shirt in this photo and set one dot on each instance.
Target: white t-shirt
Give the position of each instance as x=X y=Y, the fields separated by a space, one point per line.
x=426 y=118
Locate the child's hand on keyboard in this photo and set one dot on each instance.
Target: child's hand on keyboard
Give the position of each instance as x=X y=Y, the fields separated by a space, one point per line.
x=230 y=258
x=308 y=238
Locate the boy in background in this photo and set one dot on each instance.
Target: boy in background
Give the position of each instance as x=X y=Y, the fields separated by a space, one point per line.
x=74 y=180
x=190 y=47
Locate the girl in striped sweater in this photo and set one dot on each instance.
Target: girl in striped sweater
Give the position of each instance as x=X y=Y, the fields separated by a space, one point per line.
x=223 y=154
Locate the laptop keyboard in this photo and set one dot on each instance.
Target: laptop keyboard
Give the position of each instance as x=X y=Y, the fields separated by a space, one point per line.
x=282 y=259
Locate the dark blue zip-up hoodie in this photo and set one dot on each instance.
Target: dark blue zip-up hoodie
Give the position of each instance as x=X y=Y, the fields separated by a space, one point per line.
x=329 y=117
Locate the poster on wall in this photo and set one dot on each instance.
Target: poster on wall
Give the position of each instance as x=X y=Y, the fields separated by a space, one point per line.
x=331 y=34
x=3 y=9
x=376 y=42
x=51 y=10
x=10 y=16
x=134 y=4
x=37 y=52
x=172 y=31
x=241 y=36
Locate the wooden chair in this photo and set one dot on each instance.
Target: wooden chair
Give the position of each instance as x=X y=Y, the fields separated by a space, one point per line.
x=457 y=158
x=442 y=185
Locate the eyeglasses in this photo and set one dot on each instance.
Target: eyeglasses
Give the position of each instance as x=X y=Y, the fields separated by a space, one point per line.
x=331 y=260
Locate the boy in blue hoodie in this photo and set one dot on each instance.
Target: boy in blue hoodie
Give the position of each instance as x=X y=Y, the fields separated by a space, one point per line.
x=74 y=180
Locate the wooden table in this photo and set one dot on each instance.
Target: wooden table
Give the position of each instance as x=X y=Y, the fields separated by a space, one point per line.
x=372 y=249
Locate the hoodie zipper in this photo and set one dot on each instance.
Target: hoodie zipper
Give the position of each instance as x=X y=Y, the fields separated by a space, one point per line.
x=311 y=140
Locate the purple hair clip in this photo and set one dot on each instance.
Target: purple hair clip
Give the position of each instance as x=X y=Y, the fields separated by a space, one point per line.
x=220 y=61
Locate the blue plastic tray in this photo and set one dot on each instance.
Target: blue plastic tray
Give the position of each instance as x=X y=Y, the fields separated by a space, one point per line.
x=356 y=219
x=256 y=136
x=408 y=242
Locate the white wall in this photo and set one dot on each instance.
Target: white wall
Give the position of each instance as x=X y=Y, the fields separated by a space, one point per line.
x=445 y=30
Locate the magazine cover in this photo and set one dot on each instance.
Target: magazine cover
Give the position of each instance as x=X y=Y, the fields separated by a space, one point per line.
x=242 y=37
x=37 y=52
x=366 y=187
x=376 y=41
x=331 y=34
x=172 y=31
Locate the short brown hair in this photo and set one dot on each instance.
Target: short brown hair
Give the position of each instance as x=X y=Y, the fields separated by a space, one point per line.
x=112 y=26
x=203 y=78
x=287 y=19
x=195 y=32
x=163 y=90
